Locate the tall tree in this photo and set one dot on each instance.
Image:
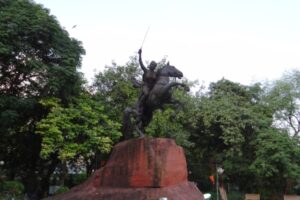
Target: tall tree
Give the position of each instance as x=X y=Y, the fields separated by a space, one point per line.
x=234 y=130
x=228 y=118
x=114 y=88
x=76 y=133
x=276 y=166
x=277 y=158
x=38 y=60
x=284 y=97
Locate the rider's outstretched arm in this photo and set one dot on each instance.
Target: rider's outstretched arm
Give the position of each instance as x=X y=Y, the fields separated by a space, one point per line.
x=140 y=60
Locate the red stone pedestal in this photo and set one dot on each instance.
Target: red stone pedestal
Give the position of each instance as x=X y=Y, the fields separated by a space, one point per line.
x=139 y=169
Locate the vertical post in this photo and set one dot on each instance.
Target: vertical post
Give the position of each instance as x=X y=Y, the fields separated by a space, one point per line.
x=217 y=182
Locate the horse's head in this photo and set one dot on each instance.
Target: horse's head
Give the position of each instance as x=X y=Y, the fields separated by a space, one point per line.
x=170 y=71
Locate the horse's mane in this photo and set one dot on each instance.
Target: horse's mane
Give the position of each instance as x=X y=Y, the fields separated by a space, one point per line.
x=159 y=70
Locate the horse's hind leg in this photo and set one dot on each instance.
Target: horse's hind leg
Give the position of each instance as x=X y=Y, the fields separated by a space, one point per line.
x=139 y=124
x=140 y=131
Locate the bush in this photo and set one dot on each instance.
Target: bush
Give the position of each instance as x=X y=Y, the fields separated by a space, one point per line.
x=11 y=189
x=234 y=195
x=62 y=189
x=75 y=179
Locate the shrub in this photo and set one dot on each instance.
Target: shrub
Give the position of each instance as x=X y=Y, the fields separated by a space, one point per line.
x=11 y=189
x=62 y=189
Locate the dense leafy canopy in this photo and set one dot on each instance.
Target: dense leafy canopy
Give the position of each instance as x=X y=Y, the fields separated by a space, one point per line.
x=233 y=130
x=113 y=87
x=175 y=121
x=35 y=52
x=284 y=97
x=82 y=129
x=276 y=162
x=38 y=60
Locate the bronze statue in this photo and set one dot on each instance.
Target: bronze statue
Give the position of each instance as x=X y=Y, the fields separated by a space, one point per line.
x=156 y=91
x=149 y=79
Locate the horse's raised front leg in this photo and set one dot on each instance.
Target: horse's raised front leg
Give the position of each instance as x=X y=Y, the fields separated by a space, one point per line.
x=172 y=100
x=175 y=84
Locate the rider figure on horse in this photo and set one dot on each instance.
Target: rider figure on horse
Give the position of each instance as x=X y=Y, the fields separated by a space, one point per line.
x=156 y=91
x=149 y=79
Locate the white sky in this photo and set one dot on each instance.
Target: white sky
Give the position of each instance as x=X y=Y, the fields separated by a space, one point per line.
x=241 y=40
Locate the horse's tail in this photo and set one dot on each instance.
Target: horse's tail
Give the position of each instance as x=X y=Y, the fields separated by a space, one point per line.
x=127 y=127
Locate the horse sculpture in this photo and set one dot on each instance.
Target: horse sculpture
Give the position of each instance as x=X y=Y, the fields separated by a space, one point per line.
x=159 y=95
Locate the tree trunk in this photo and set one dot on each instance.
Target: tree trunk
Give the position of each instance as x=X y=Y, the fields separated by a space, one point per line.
x=37 y=186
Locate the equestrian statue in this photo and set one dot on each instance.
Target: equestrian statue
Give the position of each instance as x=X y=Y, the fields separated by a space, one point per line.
x=156 y=91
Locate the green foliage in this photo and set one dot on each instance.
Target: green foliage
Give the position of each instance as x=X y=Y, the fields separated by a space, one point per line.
x=174 y=121
x=277 y=156
x=78 y=178
x=62 y=189
x=114 y=88
x=81 y=129
x=167 y=124
x=227 y=119
x=230 y=114
x=35 y=52
x=38 y=60
x=234 y=195
x=11 y=189
x=277 y=161
x=283 y=97
x=233 y=127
